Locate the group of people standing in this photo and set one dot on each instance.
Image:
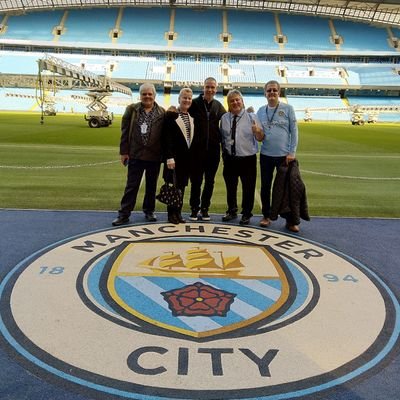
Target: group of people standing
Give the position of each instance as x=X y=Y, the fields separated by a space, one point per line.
x=189 y=139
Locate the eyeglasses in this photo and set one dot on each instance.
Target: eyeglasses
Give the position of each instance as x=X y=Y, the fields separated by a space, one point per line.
x=272 y=90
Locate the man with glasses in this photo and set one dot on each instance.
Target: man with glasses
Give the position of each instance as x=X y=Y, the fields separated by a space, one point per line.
x=140 y=150
x=279 y=145
x=206 y=149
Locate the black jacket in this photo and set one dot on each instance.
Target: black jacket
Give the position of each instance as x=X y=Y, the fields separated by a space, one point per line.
x=289 y=199
x=208 y=136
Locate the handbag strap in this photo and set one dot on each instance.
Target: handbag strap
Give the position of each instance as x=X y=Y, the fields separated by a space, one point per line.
x=174 y=177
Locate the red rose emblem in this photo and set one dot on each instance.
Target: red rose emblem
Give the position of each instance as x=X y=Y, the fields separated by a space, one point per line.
x=198 y=300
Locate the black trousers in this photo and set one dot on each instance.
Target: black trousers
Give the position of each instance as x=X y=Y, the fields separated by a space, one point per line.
x=201 y=200
x=136 y=169
x=268 y=165
x=245 y=169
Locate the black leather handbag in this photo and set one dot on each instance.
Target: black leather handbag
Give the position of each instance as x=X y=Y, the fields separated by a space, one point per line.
x=170 y=195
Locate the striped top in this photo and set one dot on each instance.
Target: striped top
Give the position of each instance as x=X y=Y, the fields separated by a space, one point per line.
x=186 y=121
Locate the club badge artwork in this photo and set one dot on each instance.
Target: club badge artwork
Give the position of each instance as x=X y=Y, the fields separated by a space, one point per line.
x=196 y=311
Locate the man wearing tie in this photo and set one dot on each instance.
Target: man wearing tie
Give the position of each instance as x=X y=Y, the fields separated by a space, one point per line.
x=240 y=132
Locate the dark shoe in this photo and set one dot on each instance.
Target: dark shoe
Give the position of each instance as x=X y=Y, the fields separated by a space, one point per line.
x=120 y=221
x=173 y=219
x=204 y=215
x=194 y=216
x=150 y=217
x=265 y=222
x=229 y=217
x=293 y=228
x=244 y=220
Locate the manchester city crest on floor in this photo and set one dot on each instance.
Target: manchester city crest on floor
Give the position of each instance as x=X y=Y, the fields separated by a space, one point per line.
x=198 y=310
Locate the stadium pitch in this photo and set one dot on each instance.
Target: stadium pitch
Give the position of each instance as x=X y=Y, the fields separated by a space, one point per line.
x=63 y=164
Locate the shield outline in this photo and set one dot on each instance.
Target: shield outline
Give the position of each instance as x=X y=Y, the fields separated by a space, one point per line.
x=119 y=302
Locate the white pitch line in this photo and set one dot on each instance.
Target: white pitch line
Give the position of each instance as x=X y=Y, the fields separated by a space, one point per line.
x=59 y=146
x=394 y=156
x=367 y=178
x=58 y=166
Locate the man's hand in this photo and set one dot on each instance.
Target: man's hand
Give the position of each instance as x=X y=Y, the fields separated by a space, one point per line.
x=290 y=158
x=124 y=159
x=257 y=131
x=171 y=163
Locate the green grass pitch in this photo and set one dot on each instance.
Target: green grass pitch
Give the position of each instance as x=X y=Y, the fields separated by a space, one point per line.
x=62 y=164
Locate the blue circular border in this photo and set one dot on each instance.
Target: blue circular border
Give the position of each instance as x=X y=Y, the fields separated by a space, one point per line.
x=378 y=358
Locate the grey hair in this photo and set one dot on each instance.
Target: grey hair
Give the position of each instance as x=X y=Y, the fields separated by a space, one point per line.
x=234 y=92
x=272 y=83
x=145 y=86
x=185 y=90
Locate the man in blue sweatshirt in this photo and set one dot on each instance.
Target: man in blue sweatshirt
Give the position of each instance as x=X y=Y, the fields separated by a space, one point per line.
x=279 y=145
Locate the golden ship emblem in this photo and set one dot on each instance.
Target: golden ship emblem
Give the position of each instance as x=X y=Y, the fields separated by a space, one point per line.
x=196 y=261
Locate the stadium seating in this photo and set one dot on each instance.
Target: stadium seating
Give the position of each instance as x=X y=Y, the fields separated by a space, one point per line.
x=198 y=28
x=35 y=26
x=83 y=25
x=255 y=31
x=377 y=76
x=143 y=26
x=358 y=37
x=313 y=35
x=192 y=40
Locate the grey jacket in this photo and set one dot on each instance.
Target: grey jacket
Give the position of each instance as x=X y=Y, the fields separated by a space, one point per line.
x=131 y=142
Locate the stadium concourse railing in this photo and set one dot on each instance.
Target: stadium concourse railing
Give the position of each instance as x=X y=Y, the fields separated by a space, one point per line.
x=245 y=74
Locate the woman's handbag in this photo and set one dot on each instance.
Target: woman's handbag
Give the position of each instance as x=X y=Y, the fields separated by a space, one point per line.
x=170 y=195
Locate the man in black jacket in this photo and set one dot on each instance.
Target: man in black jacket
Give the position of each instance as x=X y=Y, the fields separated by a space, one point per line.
x=206 y=148
x=140 y=149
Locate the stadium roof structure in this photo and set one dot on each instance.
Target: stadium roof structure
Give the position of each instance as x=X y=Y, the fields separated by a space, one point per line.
x=377 y=12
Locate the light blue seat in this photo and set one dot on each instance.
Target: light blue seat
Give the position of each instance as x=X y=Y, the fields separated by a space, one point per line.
x=377 y=76
x=359 y=36
x=196 y=72
x=196 y=28
x=253 y=30
x=266 y=72
x=33 y=26
x=126 y=68
x=19 y=63
x=304 y=32
x=144 y=26
x=156 y=71
x=92 y=25
x=241 y=73
x=254 y=100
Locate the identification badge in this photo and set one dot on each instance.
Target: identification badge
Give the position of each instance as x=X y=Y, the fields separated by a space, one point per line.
x=143 y=128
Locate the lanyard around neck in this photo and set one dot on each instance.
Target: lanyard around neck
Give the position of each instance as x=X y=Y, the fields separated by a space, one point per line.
x=273 y=114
